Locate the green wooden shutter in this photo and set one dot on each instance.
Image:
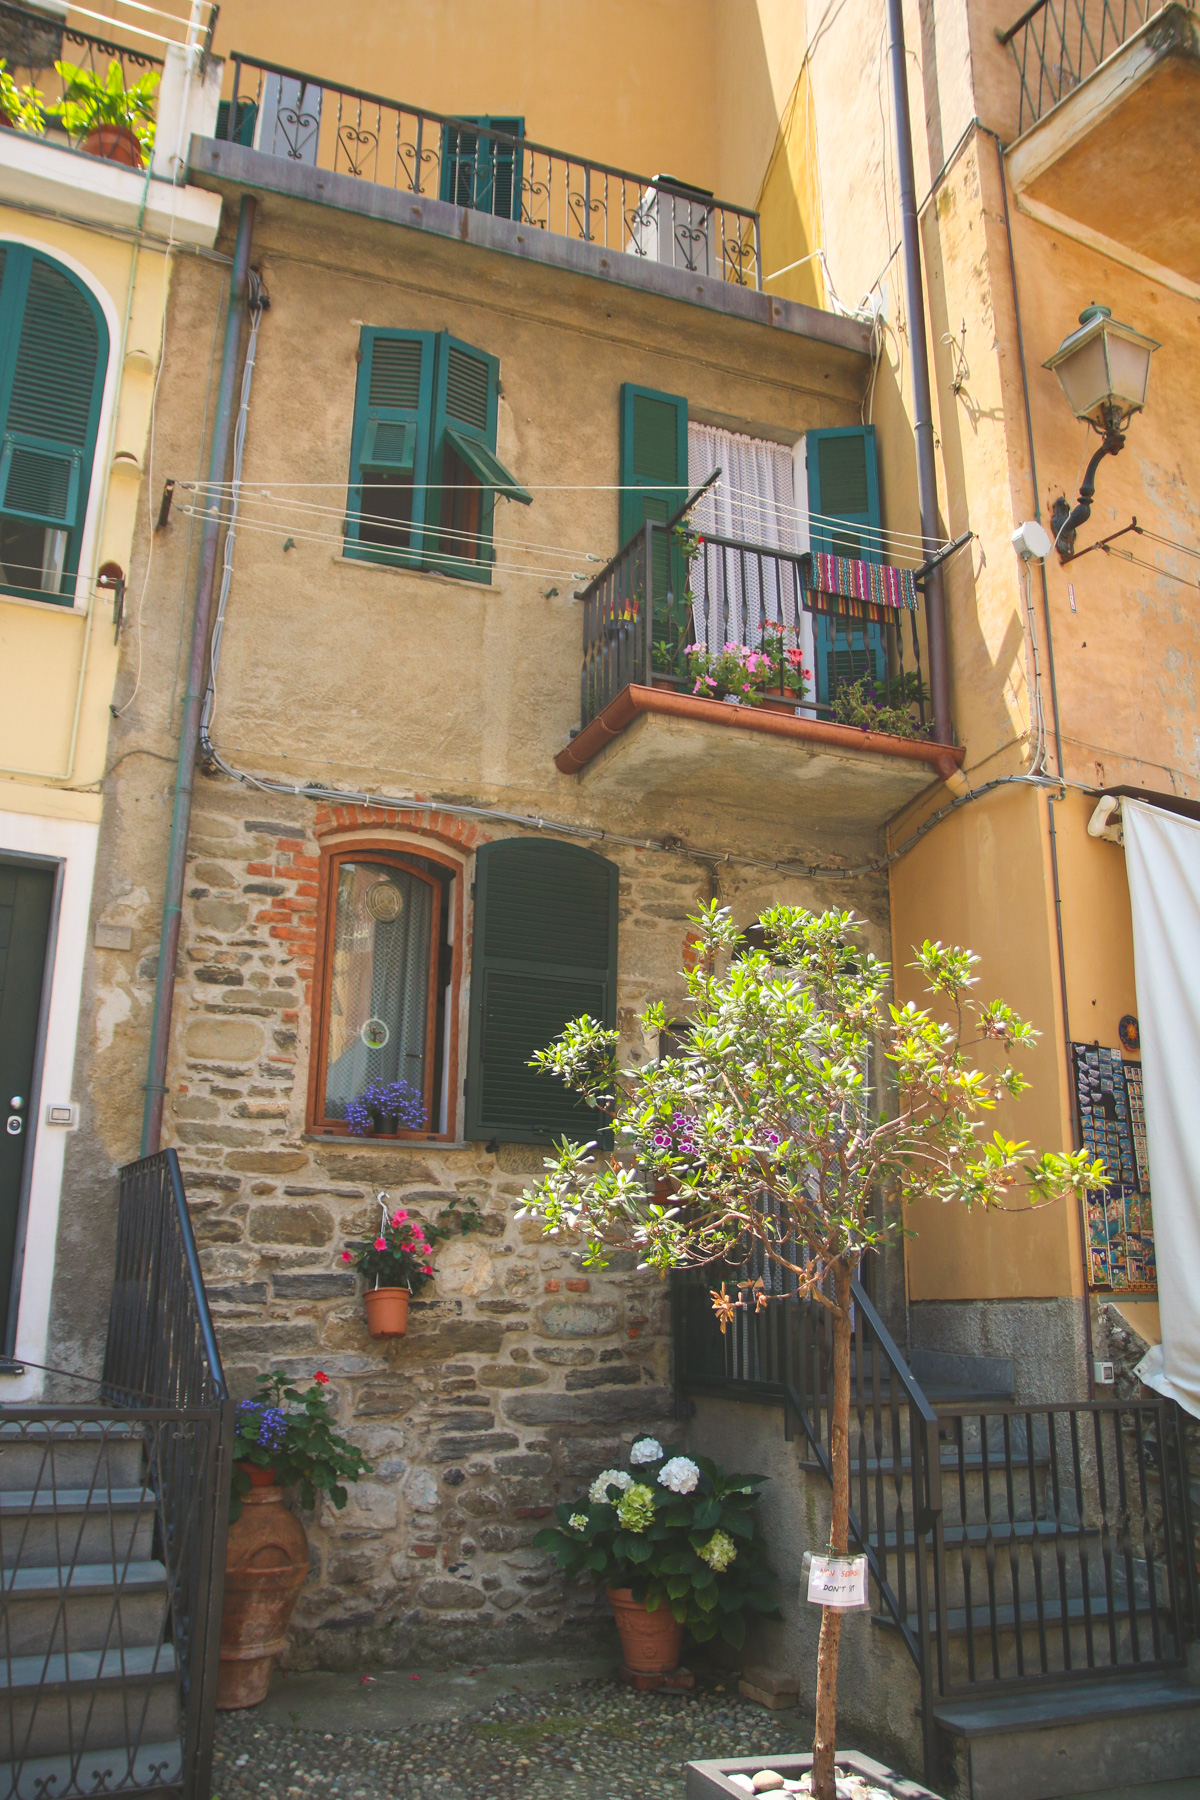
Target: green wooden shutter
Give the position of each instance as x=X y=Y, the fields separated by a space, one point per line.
x=465 y=405
x=654 y=477
x=844 y=520
x=480 y=171
x=393 y=405
x=53 y=360
x=544 y=952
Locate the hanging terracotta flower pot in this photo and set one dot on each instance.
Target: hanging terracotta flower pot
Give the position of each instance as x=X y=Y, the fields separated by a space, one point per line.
x=387 y=1311
x=650 y=1641
x=116 y=143
x=266 y=1565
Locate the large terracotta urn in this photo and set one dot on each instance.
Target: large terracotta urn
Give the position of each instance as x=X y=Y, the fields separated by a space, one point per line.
x=266 y=1565
x=650 y=1641
x=387 y=1311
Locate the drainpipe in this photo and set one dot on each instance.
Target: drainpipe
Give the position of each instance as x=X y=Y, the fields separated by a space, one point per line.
x=935 y=599
x=189 y=734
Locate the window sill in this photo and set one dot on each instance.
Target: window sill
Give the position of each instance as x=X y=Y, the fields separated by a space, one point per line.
x=346 y=560
x=424 y=1145
x=65 y=606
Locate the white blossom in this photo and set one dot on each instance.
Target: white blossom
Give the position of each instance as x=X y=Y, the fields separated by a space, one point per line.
x=578 y=1521
x=598 y=1492
x=680 y=1475
x=646 y=1450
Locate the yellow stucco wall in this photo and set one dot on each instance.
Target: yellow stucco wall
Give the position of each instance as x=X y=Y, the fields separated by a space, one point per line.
x=58 y=661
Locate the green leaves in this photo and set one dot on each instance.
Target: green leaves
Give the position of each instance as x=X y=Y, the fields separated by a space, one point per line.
x=292 y=1433
x=89 y=100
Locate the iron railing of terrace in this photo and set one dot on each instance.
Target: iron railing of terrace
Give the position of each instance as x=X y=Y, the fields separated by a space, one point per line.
x=1056 y=44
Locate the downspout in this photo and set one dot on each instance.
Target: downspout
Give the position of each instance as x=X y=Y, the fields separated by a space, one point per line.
x=197 y=681
x=935 y=598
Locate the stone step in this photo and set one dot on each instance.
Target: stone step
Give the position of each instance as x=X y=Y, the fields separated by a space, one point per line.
x=63 y=1527
x=87 y=1700
x=1072 y=1738
x=70 y=1454
x=89 y=1607
x=152 y=1770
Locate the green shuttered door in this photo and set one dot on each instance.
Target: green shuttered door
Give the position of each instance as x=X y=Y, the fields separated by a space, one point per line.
x=654 y=477
x=843 y=500
x=545 y=951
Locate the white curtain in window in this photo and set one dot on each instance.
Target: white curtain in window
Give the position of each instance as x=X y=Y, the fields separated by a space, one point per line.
x=1162 y=858
x=735 y=592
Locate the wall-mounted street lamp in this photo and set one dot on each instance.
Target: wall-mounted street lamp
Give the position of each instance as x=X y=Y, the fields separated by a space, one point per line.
x=1104 y=368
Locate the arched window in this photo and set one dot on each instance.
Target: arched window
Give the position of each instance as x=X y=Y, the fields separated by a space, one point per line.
x=53 y=358
x=387 y=973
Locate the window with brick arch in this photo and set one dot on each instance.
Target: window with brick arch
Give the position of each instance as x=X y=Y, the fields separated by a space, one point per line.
x=384 y=1026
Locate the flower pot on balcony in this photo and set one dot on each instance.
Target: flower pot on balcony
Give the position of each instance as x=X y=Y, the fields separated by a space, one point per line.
x=266 y=1565
x=387 y=1311
x=650 y=1641
x=116 y=143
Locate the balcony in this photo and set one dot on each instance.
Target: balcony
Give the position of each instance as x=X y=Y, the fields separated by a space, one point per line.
x=483 y=182
x=1110 y=93
x=655 y=622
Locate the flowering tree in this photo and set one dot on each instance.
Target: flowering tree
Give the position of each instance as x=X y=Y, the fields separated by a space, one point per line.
x=764 y=1135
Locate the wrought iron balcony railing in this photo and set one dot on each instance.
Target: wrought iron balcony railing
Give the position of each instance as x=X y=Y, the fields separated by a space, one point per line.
x=1057 y=43
x=667 y=593
x=478 y=164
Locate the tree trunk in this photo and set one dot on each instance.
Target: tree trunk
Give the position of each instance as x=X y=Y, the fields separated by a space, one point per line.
x=825 y=1736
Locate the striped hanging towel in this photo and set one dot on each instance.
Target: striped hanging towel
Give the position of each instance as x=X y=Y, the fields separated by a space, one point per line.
x=858 y=590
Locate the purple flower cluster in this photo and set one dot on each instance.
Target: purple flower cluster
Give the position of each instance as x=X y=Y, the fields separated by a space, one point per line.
x=386 y=1100
x=265 y=1425
x=677 y=1137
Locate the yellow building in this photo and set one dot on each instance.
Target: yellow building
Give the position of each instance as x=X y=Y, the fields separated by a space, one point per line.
x=425 y=734
x=88 y=246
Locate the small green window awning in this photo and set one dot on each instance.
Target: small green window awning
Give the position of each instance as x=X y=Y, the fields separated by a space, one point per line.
x=490 y=470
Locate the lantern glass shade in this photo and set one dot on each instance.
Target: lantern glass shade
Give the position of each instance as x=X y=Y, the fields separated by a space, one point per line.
x=1104 y=368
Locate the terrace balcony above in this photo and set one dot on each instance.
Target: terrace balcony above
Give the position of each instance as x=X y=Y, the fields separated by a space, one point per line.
x=1110 y=94
x=482 y=181
x=666 y=717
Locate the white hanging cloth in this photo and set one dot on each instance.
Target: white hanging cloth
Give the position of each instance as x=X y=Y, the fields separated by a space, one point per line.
x=734 y=593
x=1162 y=859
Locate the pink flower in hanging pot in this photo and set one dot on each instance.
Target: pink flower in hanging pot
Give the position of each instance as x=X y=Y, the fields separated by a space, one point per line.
x=399 y=1216
x=381 y=1243
x=428 y=1269
x=346 y=1256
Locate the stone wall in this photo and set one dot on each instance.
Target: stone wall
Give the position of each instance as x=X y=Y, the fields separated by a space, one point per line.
x=520 y=1376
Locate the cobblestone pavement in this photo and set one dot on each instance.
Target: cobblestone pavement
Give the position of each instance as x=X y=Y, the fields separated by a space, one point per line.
x=594 y=1740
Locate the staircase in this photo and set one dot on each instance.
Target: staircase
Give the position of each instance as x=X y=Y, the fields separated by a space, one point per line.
x=112 y=1537
x=90 y=1685
x=1037 y=1563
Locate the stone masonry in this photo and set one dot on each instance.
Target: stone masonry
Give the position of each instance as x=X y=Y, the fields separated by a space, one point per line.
x=520 y=1375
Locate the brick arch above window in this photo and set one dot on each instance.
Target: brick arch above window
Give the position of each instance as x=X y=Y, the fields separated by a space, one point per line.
x=430 y=822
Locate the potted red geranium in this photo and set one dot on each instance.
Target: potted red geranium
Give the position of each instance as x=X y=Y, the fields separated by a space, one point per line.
x=394 y=1265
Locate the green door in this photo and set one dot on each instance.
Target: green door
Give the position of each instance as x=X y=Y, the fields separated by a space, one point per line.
x=25 y=899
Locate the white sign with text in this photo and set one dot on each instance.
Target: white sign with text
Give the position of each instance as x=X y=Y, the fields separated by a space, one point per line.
x=838 y=1581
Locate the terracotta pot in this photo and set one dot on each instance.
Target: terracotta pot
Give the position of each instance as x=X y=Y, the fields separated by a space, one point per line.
x=650 y=1641
x=115 y=142
x=259 y=1478
x=266 y=1565
x=387 y=1311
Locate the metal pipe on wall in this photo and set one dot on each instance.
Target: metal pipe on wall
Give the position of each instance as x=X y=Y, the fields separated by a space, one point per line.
x=935 y=597
x=197 y=681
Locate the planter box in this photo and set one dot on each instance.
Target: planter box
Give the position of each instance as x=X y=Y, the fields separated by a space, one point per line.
x=710 y=1780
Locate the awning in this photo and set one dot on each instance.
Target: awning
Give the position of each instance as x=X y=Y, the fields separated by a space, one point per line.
x=1162 y=858
x=487 y=465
